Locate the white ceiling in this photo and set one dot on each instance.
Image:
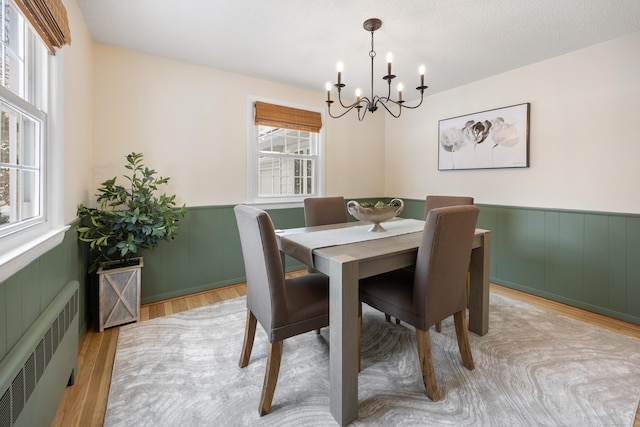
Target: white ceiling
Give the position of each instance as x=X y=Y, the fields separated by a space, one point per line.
x=299 y=42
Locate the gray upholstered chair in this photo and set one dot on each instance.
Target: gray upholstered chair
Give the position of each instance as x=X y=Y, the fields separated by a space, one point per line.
x=436 y=289
x=284 y=307
x=324 y=210
x=433 y=202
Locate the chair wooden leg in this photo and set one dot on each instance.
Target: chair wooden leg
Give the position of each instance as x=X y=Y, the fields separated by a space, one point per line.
x=426 y=364
x=274 y=356
x=462 y=333
x=249 y=335
x=397 y=321
x=439 y=326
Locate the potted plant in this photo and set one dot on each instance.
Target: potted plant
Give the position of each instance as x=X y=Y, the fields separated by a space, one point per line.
x=128 y=218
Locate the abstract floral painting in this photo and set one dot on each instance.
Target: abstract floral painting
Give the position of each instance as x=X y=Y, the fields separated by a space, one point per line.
x=490 y=139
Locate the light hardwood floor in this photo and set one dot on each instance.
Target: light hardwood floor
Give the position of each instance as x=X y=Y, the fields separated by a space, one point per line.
x=84 y=404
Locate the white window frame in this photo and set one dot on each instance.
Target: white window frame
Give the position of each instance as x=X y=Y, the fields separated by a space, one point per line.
x=253 y=195
x=32 y=240
x=24 y=108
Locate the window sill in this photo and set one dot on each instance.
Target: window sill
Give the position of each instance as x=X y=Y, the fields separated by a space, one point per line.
x=277 y=204
x=16 y=259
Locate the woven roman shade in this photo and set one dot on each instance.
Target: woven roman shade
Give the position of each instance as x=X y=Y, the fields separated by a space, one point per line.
x=287 y=117
x=49 y=19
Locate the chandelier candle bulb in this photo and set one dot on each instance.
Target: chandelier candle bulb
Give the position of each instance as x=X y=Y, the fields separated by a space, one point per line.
x=400 y=87
x=358 y=93
x=328 y=88
x=421 y=72
x=389 y=60
x=340 y=67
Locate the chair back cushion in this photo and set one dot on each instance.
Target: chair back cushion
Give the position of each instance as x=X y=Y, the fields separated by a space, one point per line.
x=434 y=202
x=324 y=210
x=443 y=262
x=266 y=295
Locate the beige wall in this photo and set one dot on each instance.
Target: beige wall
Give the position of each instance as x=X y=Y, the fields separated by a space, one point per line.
x=584 y=140
x=77 y=105
x=191 y=124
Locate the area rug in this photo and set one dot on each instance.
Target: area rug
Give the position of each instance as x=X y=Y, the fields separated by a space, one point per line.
x=533 y=368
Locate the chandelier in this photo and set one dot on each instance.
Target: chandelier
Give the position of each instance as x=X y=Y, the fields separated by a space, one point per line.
x=364 y=104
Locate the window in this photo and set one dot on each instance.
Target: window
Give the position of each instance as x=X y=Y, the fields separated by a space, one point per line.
x=22 y=123
x=285 y=153
x=286 y=162
x=30 y=147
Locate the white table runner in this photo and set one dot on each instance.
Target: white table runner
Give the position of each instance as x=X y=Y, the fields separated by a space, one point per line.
x=301 y=245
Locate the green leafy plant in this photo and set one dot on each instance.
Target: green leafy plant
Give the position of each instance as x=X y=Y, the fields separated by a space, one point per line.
x=129 y=218
x=380 y=204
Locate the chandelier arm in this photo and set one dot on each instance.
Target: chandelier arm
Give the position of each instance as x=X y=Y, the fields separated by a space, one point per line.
x=362 y=100
x=388 y=98
x=339 y=115
x=402 y=104
x=364 y=113
x=358 y=105
x=342 y=103
x=387 y=108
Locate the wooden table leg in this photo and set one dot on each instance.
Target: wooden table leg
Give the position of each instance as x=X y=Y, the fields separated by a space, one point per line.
x=343 y=344
x=479 y=270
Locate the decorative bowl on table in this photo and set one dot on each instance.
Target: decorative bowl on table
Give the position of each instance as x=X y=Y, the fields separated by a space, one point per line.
x=375 y=213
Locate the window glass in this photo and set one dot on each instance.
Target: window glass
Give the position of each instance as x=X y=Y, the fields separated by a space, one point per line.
x=286 y=162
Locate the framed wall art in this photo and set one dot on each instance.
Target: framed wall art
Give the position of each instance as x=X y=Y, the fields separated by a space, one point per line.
x=490 y=139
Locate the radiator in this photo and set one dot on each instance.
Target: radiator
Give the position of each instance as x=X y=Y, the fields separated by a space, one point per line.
x=34 y=374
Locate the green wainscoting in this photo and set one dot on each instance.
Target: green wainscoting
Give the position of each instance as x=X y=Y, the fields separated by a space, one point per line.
x=589 y=260
x=25 y=295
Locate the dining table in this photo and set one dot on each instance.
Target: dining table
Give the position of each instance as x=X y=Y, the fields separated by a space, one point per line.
x=347 y=252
